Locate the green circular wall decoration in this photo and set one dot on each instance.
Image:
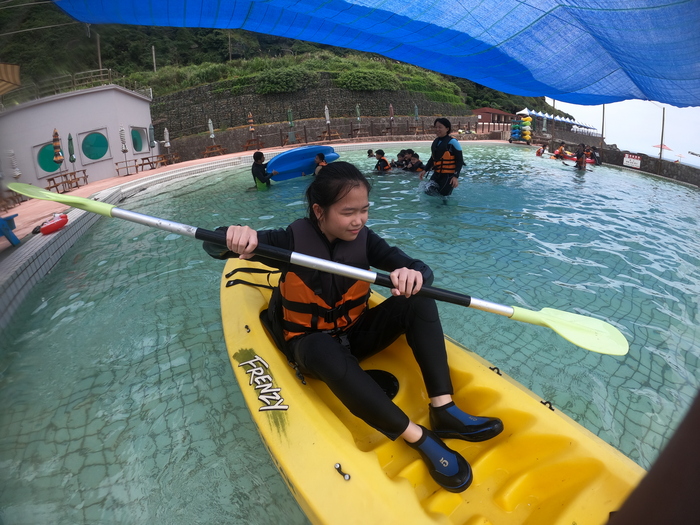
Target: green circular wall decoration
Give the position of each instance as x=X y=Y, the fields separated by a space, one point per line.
x=45 y=159
x=136 y=140
x=95 y=146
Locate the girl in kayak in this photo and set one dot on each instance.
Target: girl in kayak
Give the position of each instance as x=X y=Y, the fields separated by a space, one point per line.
x=446 y=160
x=328 y=342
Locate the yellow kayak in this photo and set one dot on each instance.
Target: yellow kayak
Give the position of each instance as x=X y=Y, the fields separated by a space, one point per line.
x=544 y=469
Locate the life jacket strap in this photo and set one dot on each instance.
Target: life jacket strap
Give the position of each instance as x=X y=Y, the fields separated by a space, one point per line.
x=329 y=315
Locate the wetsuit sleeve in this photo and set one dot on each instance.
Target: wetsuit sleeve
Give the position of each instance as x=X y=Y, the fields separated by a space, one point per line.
x=429 y=165
x=388 y=258
x=458 y=155
x=279 y=238
x=260 y=172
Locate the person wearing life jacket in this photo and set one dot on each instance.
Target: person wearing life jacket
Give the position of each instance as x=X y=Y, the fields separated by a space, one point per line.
x=382 y=163
x=560 y=152
x=320 y=161
x=400 y=160
x=415 y=165
x=325 y=326
x=540 y=151
x=446 y=160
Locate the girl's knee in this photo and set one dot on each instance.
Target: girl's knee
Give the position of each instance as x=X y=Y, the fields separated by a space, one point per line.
x=425 y=308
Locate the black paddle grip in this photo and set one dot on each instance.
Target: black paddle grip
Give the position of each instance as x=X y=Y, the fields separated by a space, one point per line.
x=263 y=250
x=429 y=291
x=216 y=237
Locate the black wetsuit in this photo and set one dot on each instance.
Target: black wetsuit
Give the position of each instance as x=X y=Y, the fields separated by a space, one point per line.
x=335 y=358
x=260 y=173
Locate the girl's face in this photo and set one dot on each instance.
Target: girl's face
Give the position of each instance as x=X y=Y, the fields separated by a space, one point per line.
x=344 y=219
x=440 y=129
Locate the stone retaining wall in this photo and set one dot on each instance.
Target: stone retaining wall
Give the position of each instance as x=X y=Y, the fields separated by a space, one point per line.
x=187 y=112
x=308 y=131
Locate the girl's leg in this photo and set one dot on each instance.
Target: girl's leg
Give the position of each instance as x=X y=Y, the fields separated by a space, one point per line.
x=326 y=358
x=419 y=319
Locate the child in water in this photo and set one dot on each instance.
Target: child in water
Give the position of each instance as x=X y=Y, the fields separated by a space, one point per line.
x=328 y=343
x=259 y=169
x=382 y=163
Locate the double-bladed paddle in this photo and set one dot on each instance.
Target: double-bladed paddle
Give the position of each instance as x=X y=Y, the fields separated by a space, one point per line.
x=588 y=333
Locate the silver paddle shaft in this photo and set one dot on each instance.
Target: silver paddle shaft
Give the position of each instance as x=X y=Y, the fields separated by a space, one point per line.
x=154 y=222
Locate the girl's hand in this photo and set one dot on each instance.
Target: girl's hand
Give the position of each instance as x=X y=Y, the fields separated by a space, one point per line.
x=406 y=282
x=242 y=240
x=454 y=182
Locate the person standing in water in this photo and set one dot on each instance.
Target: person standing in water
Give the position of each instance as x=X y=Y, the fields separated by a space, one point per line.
x=581 y=157
x=259 y=169
x=446 y=160
x=329 y=343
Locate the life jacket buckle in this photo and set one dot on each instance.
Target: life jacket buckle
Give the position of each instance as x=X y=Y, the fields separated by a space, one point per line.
x=332 y=315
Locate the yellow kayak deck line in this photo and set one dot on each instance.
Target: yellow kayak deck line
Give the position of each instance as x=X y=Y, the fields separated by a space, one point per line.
x=544 y=469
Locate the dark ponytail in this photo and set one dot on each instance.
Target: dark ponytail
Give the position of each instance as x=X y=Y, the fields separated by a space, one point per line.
x=332 y=183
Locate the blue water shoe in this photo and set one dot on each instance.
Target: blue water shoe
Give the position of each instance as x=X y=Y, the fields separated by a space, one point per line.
x=449 y=421
x=447 y=467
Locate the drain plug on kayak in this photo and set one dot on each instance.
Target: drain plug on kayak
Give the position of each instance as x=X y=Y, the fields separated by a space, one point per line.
x=346 y=477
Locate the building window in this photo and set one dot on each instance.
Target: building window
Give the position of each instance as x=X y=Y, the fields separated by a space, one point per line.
x=45 y=159
x=95 y=145
x=139 y=139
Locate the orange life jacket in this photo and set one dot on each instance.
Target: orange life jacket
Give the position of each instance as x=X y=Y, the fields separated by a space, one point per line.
x=307 y=294
x=386 y=167
x=444 y=159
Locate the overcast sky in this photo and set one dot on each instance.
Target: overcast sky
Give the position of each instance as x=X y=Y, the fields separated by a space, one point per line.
x=635 y=125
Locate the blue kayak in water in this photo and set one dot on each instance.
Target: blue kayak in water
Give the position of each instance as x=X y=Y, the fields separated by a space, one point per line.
x=300 y=160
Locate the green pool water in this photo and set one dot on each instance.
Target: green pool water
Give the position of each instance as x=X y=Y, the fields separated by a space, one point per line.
x=118 y=404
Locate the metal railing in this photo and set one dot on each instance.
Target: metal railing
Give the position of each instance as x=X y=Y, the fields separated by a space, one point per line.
x=67 y=83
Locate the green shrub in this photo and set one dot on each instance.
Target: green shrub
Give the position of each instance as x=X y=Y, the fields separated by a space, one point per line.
x=286 y=80
x=207 y=73
x=367 y=80
x=445 y=97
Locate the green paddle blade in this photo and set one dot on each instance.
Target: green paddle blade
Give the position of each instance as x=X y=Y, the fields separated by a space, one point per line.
x=589 y=333
x=28 y=190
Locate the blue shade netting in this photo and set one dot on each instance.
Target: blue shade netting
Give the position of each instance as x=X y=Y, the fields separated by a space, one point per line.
x=581 y=51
